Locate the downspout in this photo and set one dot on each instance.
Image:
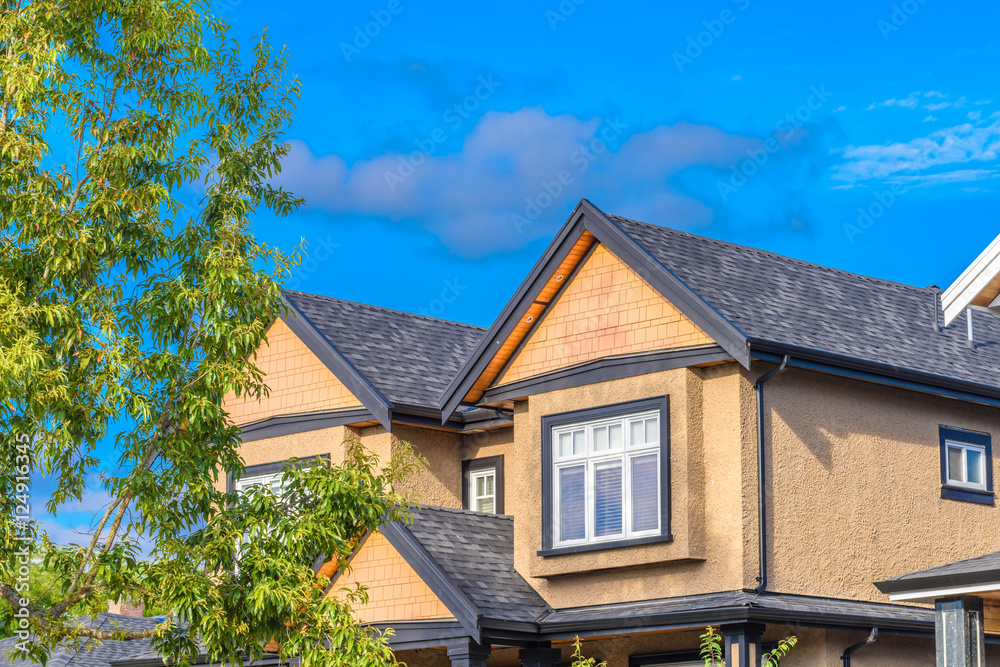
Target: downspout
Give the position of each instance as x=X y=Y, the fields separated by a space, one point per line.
x=761 y=496
x=872 y=638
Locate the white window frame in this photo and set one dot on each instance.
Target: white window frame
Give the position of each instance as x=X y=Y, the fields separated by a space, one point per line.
x=271 y=480
x=591 y=460
x=474 y=497
x=965 y=447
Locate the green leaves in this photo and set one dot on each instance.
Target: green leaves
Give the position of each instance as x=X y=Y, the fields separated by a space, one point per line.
x=136 y=144
x=713 y=653
x=579 y=660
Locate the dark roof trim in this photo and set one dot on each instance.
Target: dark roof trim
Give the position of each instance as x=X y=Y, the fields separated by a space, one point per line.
x=885 y=374
x=510 y=316
x=935 y=582
x=753 y=611
x=272 y=427
x=607 y=368
x=666 y=282
x=356 y=383
x=470 y=420
x=414 y=553
x=412 y=635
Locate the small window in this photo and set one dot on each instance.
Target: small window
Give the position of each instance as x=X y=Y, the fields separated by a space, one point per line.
x=966 y=465
x=605 y=477
x=482 y=485
x=484 y=491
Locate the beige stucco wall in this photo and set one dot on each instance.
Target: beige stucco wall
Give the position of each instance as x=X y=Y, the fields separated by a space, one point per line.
x=855 y=485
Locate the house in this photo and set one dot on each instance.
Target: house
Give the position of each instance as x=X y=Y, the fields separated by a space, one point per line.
x=660 y=432
x=90 y=652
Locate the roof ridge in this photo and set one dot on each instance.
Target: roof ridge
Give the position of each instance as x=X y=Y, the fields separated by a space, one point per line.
x=771 y=253
x=384 y=309
x=456 y=510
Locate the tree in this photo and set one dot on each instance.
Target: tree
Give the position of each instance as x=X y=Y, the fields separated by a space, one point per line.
x=135 y=147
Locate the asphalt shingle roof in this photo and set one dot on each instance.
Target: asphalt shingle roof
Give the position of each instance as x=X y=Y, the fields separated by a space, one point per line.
x=409 y=358
x=91 y=653
x=783 y=300
x=982 y=568
x=774 y=604
x=477 y=552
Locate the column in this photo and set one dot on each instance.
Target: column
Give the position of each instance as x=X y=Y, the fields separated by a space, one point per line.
x=742 y=642
x=959 y=631
x=468 y=654
x=539 y=657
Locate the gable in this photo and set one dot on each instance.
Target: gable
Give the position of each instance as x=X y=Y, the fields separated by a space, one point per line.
x=298 y=380
x=607 y=309
x=395 y=591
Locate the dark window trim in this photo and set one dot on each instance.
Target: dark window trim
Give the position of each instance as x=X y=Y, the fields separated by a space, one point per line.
x=662 y=403
x=472 y=465
x=963 y=494
x=273 y=467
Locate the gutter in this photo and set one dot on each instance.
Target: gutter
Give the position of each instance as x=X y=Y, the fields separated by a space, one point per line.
x=761 y=491
x=872 y=638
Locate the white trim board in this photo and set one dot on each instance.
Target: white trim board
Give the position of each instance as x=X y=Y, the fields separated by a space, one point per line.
x=971 y=284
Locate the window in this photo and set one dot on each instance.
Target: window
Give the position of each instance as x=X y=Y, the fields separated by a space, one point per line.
x=966 y=465
x=482 y=485
x=269 y=474
x=605 y=476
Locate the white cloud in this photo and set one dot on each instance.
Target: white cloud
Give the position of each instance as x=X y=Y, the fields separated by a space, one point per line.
x=935 y=93
x=984 y=101
x=510 y=164
x=974 y=115
x=939 y=153
x=957 y=104
x=929 y=119
x=908 y=102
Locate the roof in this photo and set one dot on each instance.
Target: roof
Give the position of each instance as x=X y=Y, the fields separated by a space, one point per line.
x=983 y=570
x=409 y=358
x=978 y=286
x=777 y=299
x=742 y=605
x=476 y=552
x=92 y=653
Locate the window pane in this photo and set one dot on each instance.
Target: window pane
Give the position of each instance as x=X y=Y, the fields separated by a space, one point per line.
x=608 y=499
x=638 y=435
x=615 y=436
x=572 y=503
x=565 y=444
x=645 y=503
x=485 y=505
x=489 y=484
x=974 y=474
x=480 y=486
x=600 y=439
x=579 y=442
x=652 y=430
x=955 y=465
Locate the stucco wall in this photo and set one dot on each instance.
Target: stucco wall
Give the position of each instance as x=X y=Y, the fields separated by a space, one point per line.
x=855 y=485
x=705 y=432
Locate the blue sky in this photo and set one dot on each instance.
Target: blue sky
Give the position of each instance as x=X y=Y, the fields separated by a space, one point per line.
x=832 y=109
x=890 y=107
